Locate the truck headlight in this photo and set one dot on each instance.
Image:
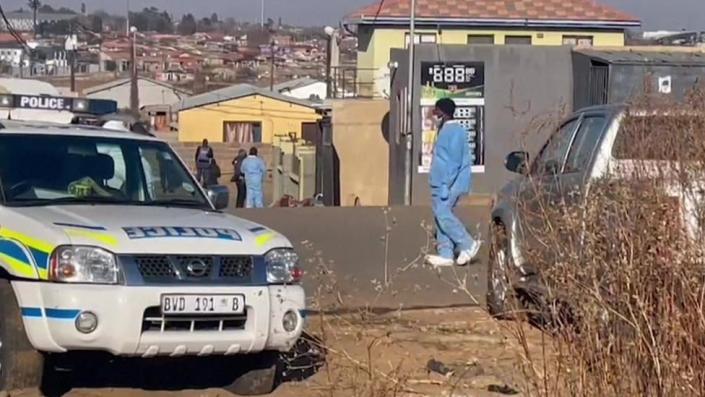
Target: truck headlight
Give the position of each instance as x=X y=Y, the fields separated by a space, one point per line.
x=82 y=264
x=283 y=266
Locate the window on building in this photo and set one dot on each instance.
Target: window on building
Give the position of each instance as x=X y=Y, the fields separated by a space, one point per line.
x=421 y=38
x=578 y=41
x=517 y=40
x=480 y=39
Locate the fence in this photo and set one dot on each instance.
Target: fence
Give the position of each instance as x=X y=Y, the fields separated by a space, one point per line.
x=352 y=82
x=294 y=173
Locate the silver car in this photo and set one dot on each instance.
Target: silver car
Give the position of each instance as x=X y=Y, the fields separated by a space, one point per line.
x=590 y=144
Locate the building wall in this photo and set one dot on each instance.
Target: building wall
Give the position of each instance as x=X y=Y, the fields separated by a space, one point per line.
x=373 y=58
x=277 y=118
x=526 y=89
x=359 y=129
x=12 y=56
x=149 y=93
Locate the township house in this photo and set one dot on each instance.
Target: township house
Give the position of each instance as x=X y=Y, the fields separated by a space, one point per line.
x=385 y=25
x=243 y=114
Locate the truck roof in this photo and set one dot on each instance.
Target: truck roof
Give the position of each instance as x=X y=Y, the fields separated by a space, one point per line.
x=44 y=128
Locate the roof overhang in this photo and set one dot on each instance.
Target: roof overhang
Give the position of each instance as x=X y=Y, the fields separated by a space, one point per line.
x=494 y=22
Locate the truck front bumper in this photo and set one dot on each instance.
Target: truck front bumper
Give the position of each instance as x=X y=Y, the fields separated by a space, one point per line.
x=130 y=321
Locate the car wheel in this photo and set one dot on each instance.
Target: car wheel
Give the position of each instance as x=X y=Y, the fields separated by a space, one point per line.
x=261 y=376
x=21 y=367
x=499 y=289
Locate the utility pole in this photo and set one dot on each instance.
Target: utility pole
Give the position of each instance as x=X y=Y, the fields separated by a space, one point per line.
x=262 y=16
x=330 y=35
x=72 y=61
x=408 y=172
x=134 y=88
x=71 y=44
x=35 y=4
x=271 y=65
x=127 y=16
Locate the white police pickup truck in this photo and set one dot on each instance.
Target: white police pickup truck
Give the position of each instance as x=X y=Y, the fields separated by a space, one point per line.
x=107 y=243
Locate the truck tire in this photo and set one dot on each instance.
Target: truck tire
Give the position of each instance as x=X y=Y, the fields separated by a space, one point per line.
x=499 y=289
x=261 y=376
x=21 y=367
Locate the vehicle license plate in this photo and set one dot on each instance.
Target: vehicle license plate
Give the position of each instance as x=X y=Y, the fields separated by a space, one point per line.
x=203 y=304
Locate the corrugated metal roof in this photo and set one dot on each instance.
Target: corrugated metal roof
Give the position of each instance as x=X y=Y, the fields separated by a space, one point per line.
x=123 y=81
x=646 y=56
x=294 y=84
x=27 y=87
x=235 y=92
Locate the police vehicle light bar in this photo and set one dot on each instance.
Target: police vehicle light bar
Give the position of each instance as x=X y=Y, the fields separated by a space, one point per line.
x=97 y=107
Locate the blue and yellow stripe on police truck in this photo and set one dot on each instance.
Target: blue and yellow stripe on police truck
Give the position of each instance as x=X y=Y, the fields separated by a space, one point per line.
x=24 y=256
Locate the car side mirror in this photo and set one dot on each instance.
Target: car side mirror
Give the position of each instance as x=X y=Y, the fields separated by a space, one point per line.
x=219 y=196
x=517 y=162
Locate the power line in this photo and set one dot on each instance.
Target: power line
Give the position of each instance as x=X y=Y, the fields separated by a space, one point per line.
x=379 y=11
x=20 y=40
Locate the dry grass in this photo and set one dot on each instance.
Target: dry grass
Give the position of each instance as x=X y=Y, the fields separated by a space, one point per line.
x=623 y=266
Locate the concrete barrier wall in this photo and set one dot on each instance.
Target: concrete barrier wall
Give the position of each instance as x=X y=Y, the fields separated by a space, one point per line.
x=372 y=254
x=359 y=128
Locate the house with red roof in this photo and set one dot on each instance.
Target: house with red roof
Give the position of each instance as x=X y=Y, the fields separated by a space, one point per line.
x=385 y=25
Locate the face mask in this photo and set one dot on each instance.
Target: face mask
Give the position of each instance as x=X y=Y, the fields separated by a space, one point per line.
x=439 y=121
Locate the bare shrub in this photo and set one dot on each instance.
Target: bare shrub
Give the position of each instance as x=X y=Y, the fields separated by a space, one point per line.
x=621 y=266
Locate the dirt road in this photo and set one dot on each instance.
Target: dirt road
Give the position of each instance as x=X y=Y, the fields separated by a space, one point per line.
x=388 y=354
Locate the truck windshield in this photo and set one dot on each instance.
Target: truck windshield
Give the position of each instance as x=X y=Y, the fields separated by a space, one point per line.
x=38 y=170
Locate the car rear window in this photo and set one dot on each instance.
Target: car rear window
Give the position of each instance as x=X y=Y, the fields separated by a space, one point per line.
x=661 y=137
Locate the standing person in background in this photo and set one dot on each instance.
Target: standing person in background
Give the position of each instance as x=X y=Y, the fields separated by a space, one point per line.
x=212 y=175
x=254 y=169
x=238 y=178
x=204 y=162
x=450 y=179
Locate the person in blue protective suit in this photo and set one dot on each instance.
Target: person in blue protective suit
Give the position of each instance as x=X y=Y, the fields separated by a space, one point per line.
x=450 y=179
x=254 y=169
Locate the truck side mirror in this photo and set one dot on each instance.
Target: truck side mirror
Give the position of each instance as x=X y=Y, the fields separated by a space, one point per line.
x=517 y=162
x=219 y=196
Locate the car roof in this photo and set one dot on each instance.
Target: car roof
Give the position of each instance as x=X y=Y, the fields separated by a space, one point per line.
x=45 y=128
x=603 y=108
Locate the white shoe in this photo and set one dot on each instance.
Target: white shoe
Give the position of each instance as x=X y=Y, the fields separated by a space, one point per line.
x=439 y=261
x=467 y=256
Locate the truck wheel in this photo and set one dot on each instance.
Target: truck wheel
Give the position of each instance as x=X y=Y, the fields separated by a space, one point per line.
x=21 y=367
x=260 y=377
x=499 y=289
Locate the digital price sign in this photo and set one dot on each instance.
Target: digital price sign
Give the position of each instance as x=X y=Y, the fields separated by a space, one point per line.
x=454 y=76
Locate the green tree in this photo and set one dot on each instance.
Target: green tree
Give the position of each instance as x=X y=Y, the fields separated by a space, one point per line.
x=204 y=25
x=188 y=25
x=152 y=20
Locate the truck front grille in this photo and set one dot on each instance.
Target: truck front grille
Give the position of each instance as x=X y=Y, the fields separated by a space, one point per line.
x=154 y=321
x=194 y=269
x=235 y=266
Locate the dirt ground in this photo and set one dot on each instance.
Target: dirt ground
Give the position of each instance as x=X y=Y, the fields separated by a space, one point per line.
x=388 y=355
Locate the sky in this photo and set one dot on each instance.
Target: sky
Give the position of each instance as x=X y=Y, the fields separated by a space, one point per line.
x=655 y=14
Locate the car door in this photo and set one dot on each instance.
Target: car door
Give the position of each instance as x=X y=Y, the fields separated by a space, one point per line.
x=541 y=189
